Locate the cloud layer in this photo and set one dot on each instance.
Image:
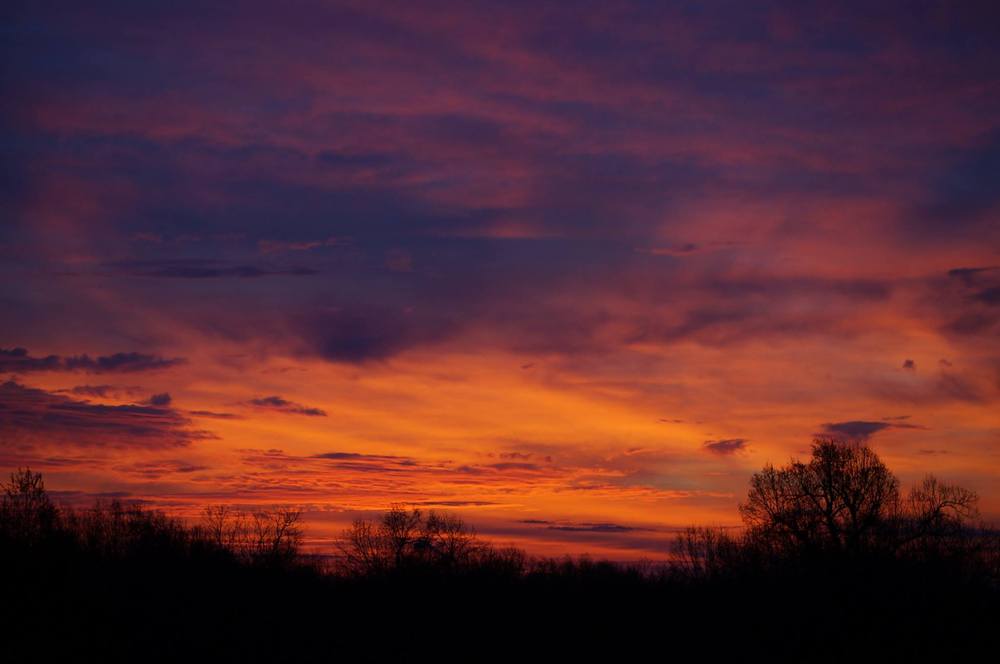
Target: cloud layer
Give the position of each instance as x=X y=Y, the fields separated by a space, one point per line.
x=552 y=261
x=39 y=418
x=19 y=361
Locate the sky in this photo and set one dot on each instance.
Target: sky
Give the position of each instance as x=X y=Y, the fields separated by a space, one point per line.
x=572 y=271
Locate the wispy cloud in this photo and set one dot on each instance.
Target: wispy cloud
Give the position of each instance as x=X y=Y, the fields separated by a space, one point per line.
x=279 y=404
x=726 y=446
x=19 y=361
x=37 y=417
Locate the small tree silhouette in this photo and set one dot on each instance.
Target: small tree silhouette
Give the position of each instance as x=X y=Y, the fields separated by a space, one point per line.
x=407 y=539
x=262 y=537
x=26 y=511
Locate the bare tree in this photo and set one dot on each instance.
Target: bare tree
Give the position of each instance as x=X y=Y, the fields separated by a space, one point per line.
x=700 y=552
x=845 y=499
x=449 y=539
x=936 y=514
x=276 y=535
x=404 y=538
x=399 y=534
x=362 y=548
x=218 y=527
x=26 y=511
x=260 y=537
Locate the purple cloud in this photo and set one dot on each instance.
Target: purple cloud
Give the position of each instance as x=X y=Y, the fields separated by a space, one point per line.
x=279 y=404
x=726 y=447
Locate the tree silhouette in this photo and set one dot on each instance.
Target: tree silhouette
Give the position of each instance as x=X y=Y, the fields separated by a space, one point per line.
x=26 y=511
x=936 y=516
x=407 y=539
x=846 y=500
x=120 y=580
x=262 y=537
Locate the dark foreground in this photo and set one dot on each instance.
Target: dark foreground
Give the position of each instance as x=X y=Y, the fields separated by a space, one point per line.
x=163 y=599
x=120 y=583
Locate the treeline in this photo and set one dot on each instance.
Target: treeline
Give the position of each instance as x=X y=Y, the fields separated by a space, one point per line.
x=32 y=525
x=835 y=562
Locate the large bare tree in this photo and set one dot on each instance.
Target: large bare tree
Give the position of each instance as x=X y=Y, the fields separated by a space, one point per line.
x=846 y=499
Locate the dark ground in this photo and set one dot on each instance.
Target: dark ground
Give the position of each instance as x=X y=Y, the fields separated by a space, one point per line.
x=61 y=602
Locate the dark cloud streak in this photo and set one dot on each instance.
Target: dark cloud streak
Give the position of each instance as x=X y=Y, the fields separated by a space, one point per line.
x=726 y=447
x=18 y=361
x=38 y=417
x=279 y=404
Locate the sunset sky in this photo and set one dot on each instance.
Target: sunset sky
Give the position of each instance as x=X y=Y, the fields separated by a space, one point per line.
x=571 y=270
